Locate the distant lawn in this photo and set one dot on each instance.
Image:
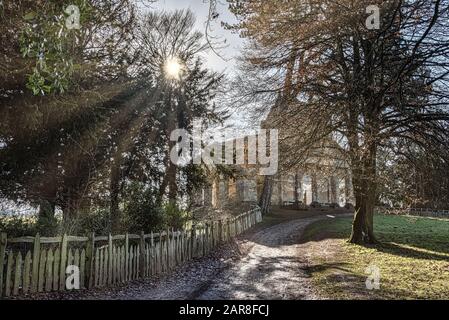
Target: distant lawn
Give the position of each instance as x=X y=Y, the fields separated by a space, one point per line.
x=413 y=258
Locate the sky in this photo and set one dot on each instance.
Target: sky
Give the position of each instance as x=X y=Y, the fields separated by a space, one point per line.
x=239 y=120
x=201 y=9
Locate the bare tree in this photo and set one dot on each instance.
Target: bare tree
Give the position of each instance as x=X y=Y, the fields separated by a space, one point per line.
x=332 y=77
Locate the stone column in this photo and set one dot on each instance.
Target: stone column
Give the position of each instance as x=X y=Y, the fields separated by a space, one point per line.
x=224 y=191
x=216 y=194
x=349 y=193
x=298 y=187
x=208 y=196
x=197 y=198
x=314 y=188
x=280 y=198
x=333 y=190
x=232 y=190
x=250 y=194
x=240 y=190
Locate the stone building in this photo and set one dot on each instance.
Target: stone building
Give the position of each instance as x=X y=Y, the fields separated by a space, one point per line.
x=324 y=179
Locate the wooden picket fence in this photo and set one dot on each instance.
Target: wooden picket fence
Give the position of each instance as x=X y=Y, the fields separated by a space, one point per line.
x=30 y=265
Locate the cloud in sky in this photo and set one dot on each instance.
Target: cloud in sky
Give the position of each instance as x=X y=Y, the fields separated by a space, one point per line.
x=201 y=9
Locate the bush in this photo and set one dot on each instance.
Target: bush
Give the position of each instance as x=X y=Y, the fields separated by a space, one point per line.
x=47 y=226
x=176 y=218
x=315 y=205
x=96 y=221
x=18 y=226
x=141 y=213
x=349 y=206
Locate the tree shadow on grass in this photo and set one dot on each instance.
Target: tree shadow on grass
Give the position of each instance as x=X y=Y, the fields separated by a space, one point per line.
x=339 y=282
x=398 y=250
x=392 y=244
x=395 y=248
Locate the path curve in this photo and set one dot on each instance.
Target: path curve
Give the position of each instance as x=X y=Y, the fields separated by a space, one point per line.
x=267 y=262
x=273 y=269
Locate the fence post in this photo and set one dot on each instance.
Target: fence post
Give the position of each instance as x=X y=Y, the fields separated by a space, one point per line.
x=110 y=259
x=212 y=232
x=90 y=249
x=127 y=257
x=3 y=242
x=167 y=252
x=205 y=231
x=208 y=238
x=220 y=231
x=35 y=269
x=142 y=255
x=151 y=263
x=63 y=263
x=192 y=241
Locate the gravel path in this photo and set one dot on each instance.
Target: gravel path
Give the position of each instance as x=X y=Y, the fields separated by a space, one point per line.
x=272 y=270
x=267 y=262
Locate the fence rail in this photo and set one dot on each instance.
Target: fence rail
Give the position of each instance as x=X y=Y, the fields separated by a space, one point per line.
x=424 y=212
x=38 y=264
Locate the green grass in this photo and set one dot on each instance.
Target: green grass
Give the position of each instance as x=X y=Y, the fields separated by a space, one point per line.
x=413 y=258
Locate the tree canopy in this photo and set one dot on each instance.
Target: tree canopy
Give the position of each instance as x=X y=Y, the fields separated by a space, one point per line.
x=326 y=74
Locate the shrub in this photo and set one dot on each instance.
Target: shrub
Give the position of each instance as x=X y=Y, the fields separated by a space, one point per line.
x=18 y=226
x=96 y=221
x=175 y=217
x=141 y=212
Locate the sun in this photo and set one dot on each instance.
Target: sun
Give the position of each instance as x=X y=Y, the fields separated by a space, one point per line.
x=173 y=68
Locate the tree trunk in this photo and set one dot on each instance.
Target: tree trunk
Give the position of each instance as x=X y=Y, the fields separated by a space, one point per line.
x=172 y=183
x=265 y=197
x=172 y=169
x=46 y=209
x=371 y=193
x=298 y=187
x=70 y=206
x=47 y=222
x=359 y=223
x=315 y=195
x=114 y=189
x=364 y=181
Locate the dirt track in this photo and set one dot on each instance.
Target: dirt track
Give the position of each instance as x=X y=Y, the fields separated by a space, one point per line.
x=272 y=269
x=267 y=262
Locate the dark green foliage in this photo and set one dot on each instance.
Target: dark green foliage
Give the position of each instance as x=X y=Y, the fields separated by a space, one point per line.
x=86 y=132
x=97 y=221
x=140 y=210
x=175 y=217
x=18 y=226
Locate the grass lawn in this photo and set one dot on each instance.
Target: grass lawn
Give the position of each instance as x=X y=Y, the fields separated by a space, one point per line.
x=413 y=258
